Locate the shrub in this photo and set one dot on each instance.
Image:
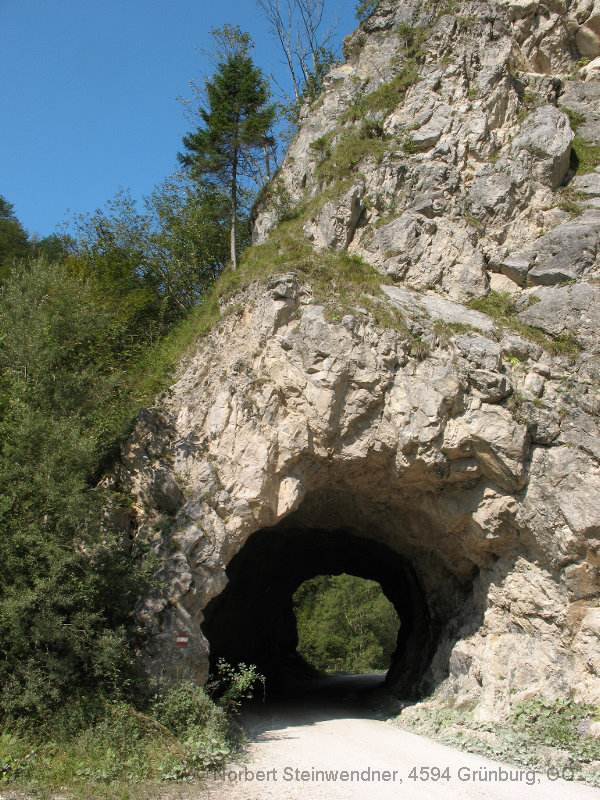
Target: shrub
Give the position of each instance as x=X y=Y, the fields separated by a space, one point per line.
x=231 y=685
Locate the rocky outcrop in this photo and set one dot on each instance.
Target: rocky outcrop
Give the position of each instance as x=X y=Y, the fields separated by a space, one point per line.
x=456 y=460
x=435 y=434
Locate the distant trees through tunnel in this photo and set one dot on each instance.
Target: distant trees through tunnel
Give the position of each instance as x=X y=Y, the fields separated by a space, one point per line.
x=345 y=624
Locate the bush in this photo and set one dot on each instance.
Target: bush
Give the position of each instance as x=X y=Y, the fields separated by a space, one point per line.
x=98 y=747
x=185 y=707
x=231 y=685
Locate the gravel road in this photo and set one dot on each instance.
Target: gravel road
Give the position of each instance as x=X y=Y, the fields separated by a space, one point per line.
x=324 y=746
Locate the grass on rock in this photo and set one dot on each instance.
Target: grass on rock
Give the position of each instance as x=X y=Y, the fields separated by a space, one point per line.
x=500 y=306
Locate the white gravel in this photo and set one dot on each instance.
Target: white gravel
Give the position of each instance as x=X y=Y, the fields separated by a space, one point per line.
x=309 y=748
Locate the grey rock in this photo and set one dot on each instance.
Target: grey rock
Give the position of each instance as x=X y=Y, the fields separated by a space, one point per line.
x=567 y=252
x=584 y=98
x=428 y=135
x=589 y=184
x=334 y=226
x=516 y=267
x=499 y=444
x=480 y=351
x=547 y=136
x=491 y=386
x=517 y=347
x=165 y=492
x=587 y=37
x=534 y=384
x=568 y=310
x=542 y=424
x=492 y=194
x=591 y=71
x=280 y=418
x=435 y=307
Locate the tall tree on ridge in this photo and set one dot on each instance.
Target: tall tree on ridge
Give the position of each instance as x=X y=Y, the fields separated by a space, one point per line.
x=236 y=123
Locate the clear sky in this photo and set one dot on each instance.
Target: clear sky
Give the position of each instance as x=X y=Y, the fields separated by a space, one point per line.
x=89 y=94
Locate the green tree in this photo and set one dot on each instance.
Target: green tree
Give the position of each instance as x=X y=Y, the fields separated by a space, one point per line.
x=68 y=579
x=111 y=249
x=235 y=125
x=190 y=238
x=14 y=243
x=52 y=247
x=345 y=624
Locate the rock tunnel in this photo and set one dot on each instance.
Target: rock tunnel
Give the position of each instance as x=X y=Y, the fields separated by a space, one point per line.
x=329 y=450
x=252 y=620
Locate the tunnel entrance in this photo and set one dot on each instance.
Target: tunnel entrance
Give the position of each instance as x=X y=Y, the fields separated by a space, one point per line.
x=253 y=620
x=346 y=625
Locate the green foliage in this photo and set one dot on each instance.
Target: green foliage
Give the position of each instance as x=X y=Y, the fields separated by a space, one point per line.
x=189 y=242
x=231 y=685
x=236 y=122
x=308 y=49
x=99 y=748
x=474 y=222
x=576 y=118
x=235 y=125
x=324 y=60
x=529 y=101
x=68 y=579
x=409 y=145
x=52 y=248
x=364 y=9
x=184 y=707
x=14 y=244
x=345 y=624
x=413 y=37
x=339 y=280
x=80 y=353
x=419 y=349
x=513 y=361
x=571 y=207
x=387 y=96
x=555 y=724
x=585 y=156
x=540 y=734
x=150 y=269
x=111 y=250
x=353 y=45
x=501 y=307
x=353 y=147
x=321 y=146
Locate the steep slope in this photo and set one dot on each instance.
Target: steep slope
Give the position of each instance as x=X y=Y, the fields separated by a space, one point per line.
x=426 y=415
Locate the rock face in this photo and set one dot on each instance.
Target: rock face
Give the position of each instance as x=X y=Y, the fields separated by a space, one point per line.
x=450 y=453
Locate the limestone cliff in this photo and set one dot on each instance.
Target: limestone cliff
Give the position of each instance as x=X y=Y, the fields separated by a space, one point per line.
x=436 y=427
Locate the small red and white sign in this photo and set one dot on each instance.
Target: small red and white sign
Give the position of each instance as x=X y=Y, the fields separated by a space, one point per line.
x=182 y=639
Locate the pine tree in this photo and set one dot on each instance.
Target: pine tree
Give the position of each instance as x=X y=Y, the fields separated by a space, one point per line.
x=236 y=124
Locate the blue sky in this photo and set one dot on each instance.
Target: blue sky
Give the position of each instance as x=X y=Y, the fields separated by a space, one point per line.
x=88 y=94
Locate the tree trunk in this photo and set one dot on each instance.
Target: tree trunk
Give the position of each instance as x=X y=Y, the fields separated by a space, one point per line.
x=233 y=211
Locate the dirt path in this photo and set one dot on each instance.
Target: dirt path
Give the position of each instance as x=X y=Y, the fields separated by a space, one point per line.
x=327 y=748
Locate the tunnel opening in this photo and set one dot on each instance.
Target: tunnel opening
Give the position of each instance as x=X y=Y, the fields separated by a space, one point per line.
x=346 y=625
x=252 y=620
